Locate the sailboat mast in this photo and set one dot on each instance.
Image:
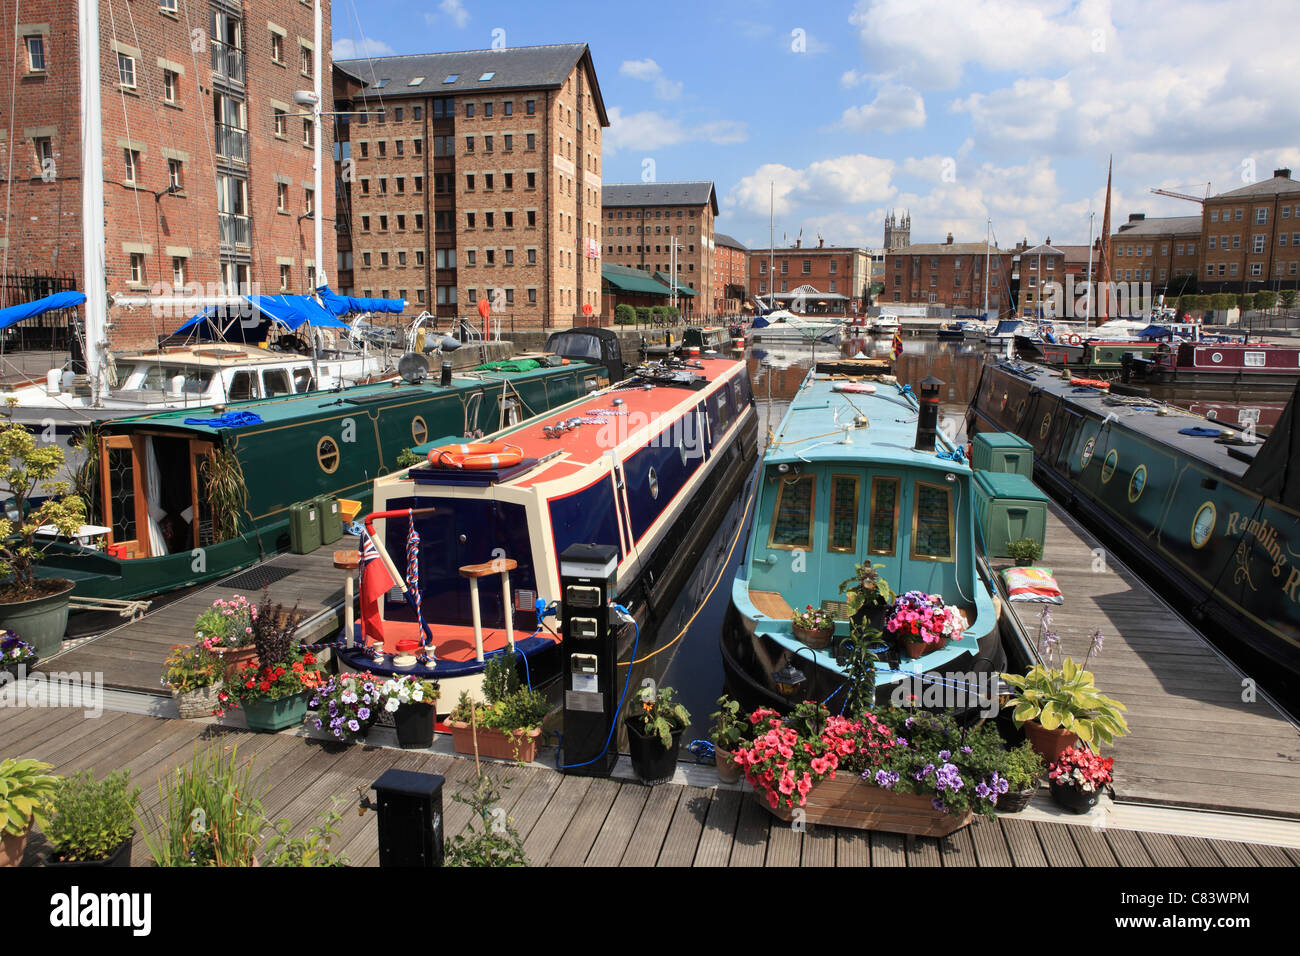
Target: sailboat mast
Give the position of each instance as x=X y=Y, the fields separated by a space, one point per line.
x=318 y=195
x=771 y=245
x=92 y=195
x=988 y=234
x=1087 y=312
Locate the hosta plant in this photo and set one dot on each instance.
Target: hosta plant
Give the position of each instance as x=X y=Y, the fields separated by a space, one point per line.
x=1067 y=697
x=26 y=788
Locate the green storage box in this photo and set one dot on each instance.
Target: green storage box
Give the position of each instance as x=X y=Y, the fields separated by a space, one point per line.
x=304 y=527
x=1002 y=451
x=331 y=518
x=1009 y=507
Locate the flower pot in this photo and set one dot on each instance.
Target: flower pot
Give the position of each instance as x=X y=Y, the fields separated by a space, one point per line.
x=1015 y=800
x=119 y=857
x=273 y=715
x=236 y=657
x=816 y=638
x=200 y=702
x=1074 y=799
x=920 y=648
x=17 y=669
x=12 y=847
x=728 y=772
x=41 y=621
x=1049 y=744
x=414 y=725
x=652 y=761
x=849 y=801
x=521 y=746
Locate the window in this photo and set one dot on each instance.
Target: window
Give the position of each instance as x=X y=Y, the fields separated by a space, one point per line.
x=137 y=268
x=419 y=184
x=792 y=520
x=487 y=180
x=532 y=141
x=1258 y=243
x=1214 y=242
x=126 y=70
x=304 y=60
x=277 y=48
x=309 y=200
x=1261 y=216
x=44 y=147
x=843 y=531
x=469 y=220
x=532 y=180
x=510 y=257
x=1256 y=268
x=365 y=223
x=469 y=144
x=35 y=54
x=175 y=175
x=509 y=181
x=284 y=274
x=383 y=185
x=383 y=146
x=383 y=260
x=488 y=220
x=487 y=109
x=469 y=111
x=532 y=219
x=399 y=145
x=508 y=107
x=932 y=528
x=530 y=107
x=307 y=132
x=169 y=86
x=487 y=144
x=401 y=184
x=510 y=142
x=365 y=187
x=131 y=161
x=401 y=222
x=178 y=272
x=1236 y=215
x=1214 y=215
x=365 y=149
x=469 y=182
x=383 y=223
x=532 y=257
x=510 y=219
x=471 y=257
x=490 y=256
x=532 y=296
x=282 y=123
x=417 y=146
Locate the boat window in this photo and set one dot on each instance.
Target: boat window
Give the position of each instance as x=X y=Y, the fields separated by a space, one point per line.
x=792 y=520
x=932 y=526
x=121 y=492
x=419 y=430
x=327 y=455
x=1046 y=426
x=883 y=531
x=654 y=484
x=509 y=413
x=242 y=386
x=1109 y=465
x=159 y=378
x=724 y=410
x=1255 y=359
x=302 y=380
x=1203 y=524
x=844 y=514
x=1086 y=456
x=1137 y=483
x=275 y=381
x=590 y=383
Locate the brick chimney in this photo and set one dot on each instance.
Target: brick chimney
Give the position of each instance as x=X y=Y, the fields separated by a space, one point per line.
x=1048 y=241
x=1282 y=173
x=821 y=243
x=949 y=240
x=798 y=243
x=1136 y=216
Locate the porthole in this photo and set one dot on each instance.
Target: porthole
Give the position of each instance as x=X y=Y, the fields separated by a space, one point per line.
x=419 y=430
x=1086 y=457
x=1046 y=426
x=327 y=455
x=1137 y=483
x=1203 y=524
x=1109 y=465
x=654 y=484
x=1216 y=357
x=1020 y=410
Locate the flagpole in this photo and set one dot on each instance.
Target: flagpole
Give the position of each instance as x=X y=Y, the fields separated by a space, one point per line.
x=379 y=544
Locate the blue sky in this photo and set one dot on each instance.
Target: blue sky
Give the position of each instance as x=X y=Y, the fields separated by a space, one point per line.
x=959 y=110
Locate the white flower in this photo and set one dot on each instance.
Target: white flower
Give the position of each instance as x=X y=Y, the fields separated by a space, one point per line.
x=391 y=704
x=417 y=695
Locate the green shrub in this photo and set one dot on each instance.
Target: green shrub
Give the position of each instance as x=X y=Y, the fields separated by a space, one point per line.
x=1024 y=767
x=1025 y=551
x=659 y=312
x=313 y=849
x=624 y=315
x=92 y=818
x=500 y=676
x=26 y=787
x=643 y=314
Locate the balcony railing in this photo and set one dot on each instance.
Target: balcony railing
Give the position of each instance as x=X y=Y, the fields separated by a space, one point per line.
x=227 y=61
x=235 y=230
x=232 y=142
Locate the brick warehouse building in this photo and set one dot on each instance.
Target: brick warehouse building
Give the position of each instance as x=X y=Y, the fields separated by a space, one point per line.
x=473 y=176
x=841 y=275
x=1164 y=251
x=730 y=274
x=684 y=211
x=207 y=172
x=949 y=274
x=1250 y=237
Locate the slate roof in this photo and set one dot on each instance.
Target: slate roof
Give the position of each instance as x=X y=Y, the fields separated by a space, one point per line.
x=722 y=239
x=1163 y=226
x=696 y=193
x=946 y=248
x=1265 y=187
x=512 y=68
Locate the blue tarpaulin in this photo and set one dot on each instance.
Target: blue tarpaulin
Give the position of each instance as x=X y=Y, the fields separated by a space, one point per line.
x=60 y=300
x=291 y=311
x=228 y=420
x=1155 y=332
x=345 y=304
x=1200 y=431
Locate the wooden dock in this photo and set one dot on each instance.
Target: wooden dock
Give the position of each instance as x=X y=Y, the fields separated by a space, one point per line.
x=578 y=821
x=130 y=656
x=1199 y=738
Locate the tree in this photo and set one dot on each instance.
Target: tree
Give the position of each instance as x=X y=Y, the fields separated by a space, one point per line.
x=28 y=470
x=1265 y=299
x=624 y=314
x=1221 y=301
x=1289 y=297
x=1245 y=301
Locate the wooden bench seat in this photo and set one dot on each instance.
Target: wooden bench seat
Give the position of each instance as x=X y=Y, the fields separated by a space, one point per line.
x=771 y=604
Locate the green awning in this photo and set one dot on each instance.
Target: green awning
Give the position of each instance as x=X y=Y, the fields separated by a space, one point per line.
x=635 y=281
x=681 y=289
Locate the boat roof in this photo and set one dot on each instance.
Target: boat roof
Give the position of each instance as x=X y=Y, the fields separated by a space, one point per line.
x=1140 y=416
x=309 y=405
x=813 y=427
x=212 y=356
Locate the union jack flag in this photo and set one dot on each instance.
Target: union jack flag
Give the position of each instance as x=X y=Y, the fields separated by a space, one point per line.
x=413 y=572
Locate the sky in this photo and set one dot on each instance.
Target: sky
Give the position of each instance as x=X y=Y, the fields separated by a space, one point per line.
x=959 y=111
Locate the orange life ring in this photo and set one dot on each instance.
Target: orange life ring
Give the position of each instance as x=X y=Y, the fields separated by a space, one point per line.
x=481 y=456
x=1075 y=339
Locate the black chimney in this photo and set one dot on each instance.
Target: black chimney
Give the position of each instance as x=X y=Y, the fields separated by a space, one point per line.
x=1284 y=173
x=446 y=374
x=927 y=422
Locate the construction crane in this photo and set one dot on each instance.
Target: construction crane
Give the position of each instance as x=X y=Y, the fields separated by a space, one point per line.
x=1175 y=195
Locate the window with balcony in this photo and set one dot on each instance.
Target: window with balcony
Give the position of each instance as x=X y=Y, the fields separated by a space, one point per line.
x=231 y=128
x=227 y=47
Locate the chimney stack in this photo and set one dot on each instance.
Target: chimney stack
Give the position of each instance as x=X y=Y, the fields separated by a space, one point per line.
x=1136 y=216
x=798 y=243
x=949 y=242
x=821 y=243
x=927 y=419
x=1283 y=173
x=1048 y=242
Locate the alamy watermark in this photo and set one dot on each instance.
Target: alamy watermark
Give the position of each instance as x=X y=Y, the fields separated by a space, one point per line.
x=84 y=689
x=1070 y=300
x=957 y=690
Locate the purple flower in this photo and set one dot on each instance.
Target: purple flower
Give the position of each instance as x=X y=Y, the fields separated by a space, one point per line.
x=982 y=790
x=364 y=713
x=945 y=754
x=965 y=750
x=938 y=805
x=901 y=741
x=353 y=726
x=1096 y=641
x=1000 y=784
x=885 y=779
x=948 y=778
x=908 y=723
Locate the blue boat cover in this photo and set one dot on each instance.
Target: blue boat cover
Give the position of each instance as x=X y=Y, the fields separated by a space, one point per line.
x=1006 y=326
x=290 y=311
x=1155 y=332
x=345 y=304
x=228 y=420
x=60 y=300
x=1200 y=431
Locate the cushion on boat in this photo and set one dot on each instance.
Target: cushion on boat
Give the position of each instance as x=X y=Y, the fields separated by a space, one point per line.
x=1032 y=585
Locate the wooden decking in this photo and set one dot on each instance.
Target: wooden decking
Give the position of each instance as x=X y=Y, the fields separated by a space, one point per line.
x=577 y=821
x=131 y=656
x=1198 y=739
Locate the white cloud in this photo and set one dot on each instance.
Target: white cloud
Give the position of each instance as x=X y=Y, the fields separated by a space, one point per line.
x=895 y=107
x=832 y=182
x=649 y=71
x=852 y=78
x=455 y=9
x=347 y=49
x=1028 y=110
x=648 y=130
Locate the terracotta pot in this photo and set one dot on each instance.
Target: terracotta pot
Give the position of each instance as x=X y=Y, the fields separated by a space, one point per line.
x=728 y=772
x=817 y=639
x=495 y=743
x=920 y=648
x=235 y=657
x=1049 y=744
x=12 y=847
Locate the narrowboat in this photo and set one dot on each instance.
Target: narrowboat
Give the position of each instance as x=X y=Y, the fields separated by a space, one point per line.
x=152 y=480
x=1197 y=504
x=648 y=468
x=857 y=473
x=1218 y=365
x=695 y=341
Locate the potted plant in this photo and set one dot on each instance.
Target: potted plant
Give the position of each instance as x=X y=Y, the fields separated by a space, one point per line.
x=16 y=655
x=209 y=813
x=1025 y=551
x=1076 y=778
x=274 y=690
x=346 y=706
x=194 y=675
x=411 y=701
x=813 y=626
x=1060 y=706
x=226 y=629
x=869 y=594
x=923 y=623
x=1024 y=770
x=729 y=729
x=26 y=787
x=93 y=821
x=508 y=724
x=654 y=734
x=35 y=607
